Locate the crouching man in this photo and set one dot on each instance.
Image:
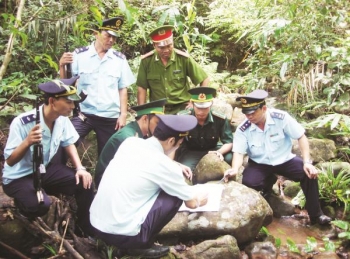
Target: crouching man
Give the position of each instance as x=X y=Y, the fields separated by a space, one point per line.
x=136 y=199
x=54 y=131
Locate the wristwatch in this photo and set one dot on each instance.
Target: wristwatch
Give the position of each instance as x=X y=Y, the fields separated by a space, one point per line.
x=308 y=162
x=80 y=168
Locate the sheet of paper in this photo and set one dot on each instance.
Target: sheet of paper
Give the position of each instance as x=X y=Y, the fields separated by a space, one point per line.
x=214 y=198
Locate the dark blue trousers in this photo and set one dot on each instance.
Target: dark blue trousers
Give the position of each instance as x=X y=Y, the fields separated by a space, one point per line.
x=262 y=177
x=163 y=210
x=103 y=127
x=58 y=179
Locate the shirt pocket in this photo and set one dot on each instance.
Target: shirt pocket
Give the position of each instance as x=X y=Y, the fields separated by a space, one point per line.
x=178 y=75
x=153 y=78
x=277 y=140
x=85 y=78
x=112 y=78
x=257 y=148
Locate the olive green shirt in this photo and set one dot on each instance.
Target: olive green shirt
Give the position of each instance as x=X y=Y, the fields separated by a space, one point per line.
x=170 y=81
x=132 y=129
x=215 y=129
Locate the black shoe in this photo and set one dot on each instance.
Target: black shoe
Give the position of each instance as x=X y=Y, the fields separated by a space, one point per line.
x=153 y=252
x=322 y=220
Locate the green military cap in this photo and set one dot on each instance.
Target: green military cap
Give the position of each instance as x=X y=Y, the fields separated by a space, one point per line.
x=155 y=107
x=162 y=35
x=252 y=101
x=112 y=25
x=203 y=96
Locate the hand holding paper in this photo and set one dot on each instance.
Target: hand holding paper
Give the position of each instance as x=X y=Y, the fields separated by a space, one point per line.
x=213 y=198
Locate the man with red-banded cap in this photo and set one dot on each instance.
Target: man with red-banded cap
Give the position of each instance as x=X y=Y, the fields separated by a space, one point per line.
x=136 y=199
x=165 y=70
x=105 y=76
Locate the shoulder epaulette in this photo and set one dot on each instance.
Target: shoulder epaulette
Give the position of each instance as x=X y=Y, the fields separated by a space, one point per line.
x=147 y=54
x=184 y=112
x=277 y=115
x=82 y=49
x=245 y=126
x=219 y=114
x=28 y=118
x=119 y=54
x=182 y=53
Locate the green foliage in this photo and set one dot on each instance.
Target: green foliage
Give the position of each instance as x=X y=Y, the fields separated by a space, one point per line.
x=311 y=244
x=266 y=232
x=334 y=189
x=292 y=246
x=344 y=225
x=50 y=248
x=187 y=24
x=308 y=59
x=340 y=122
x=299 y=199
x=328 y=245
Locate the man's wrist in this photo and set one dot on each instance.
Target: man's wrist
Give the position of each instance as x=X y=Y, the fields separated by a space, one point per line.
x=80 y=168
x=307 y=161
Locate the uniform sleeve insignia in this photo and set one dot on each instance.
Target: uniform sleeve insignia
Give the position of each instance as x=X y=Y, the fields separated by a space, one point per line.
x=182 y=53
x=28 y=118
x=245 y=126
x=184 y=112
x=219 y=114
x=147 y=54
x=277 y=115
x=119 y=54
x=82 y=49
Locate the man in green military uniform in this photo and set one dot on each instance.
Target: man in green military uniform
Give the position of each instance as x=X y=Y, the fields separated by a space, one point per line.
x=212 y=134
x=143 y=126
x=165 y=70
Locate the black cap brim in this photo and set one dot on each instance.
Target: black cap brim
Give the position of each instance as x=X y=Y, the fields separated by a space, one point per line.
x=250 y=110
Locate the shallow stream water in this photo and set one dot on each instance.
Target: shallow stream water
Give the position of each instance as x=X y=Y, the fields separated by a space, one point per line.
x=298 y=231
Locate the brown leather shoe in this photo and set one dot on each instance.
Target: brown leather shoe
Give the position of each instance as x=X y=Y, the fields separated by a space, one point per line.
x=152 y=252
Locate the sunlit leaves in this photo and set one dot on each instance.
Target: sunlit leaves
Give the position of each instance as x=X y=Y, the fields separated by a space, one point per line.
x=328 y=245
x=311 y=244
x=292 y=246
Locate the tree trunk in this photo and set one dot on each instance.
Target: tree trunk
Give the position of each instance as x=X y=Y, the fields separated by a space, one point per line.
x=8 y=54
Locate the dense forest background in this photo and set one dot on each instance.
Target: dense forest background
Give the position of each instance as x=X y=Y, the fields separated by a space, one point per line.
x=298 y=50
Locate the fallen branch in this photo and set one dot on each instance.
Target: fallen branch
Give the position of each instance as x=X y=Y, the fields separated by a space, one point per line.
x=13 y=251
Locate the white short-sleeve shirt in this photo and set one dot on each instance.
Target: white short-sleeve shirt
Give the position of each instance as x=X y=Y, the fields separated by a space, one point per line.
x=131 y=183
x=271 y=146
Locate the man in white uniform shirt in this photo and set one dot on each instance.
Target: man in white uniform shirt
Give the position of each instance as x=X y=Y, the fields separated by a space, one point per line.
x=105 y=75
x=136 y=199
x=266 y=136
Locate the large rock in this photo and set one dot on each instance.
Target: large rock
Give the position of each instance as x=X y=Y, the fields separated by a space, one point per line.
x=242 y=213
x=209 y=168
x=320 y=149
x=222 y=107
x=223 y=247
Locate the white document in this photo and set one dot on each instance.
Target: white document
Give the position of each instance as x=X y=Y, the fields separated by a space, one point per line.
x=214 y=198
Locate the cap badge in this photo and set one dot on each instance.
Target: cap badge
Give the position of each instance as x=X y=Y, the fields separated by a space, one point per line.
x=243 y=100
x=202 y=96
x=161 y=32
x=118 y=23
